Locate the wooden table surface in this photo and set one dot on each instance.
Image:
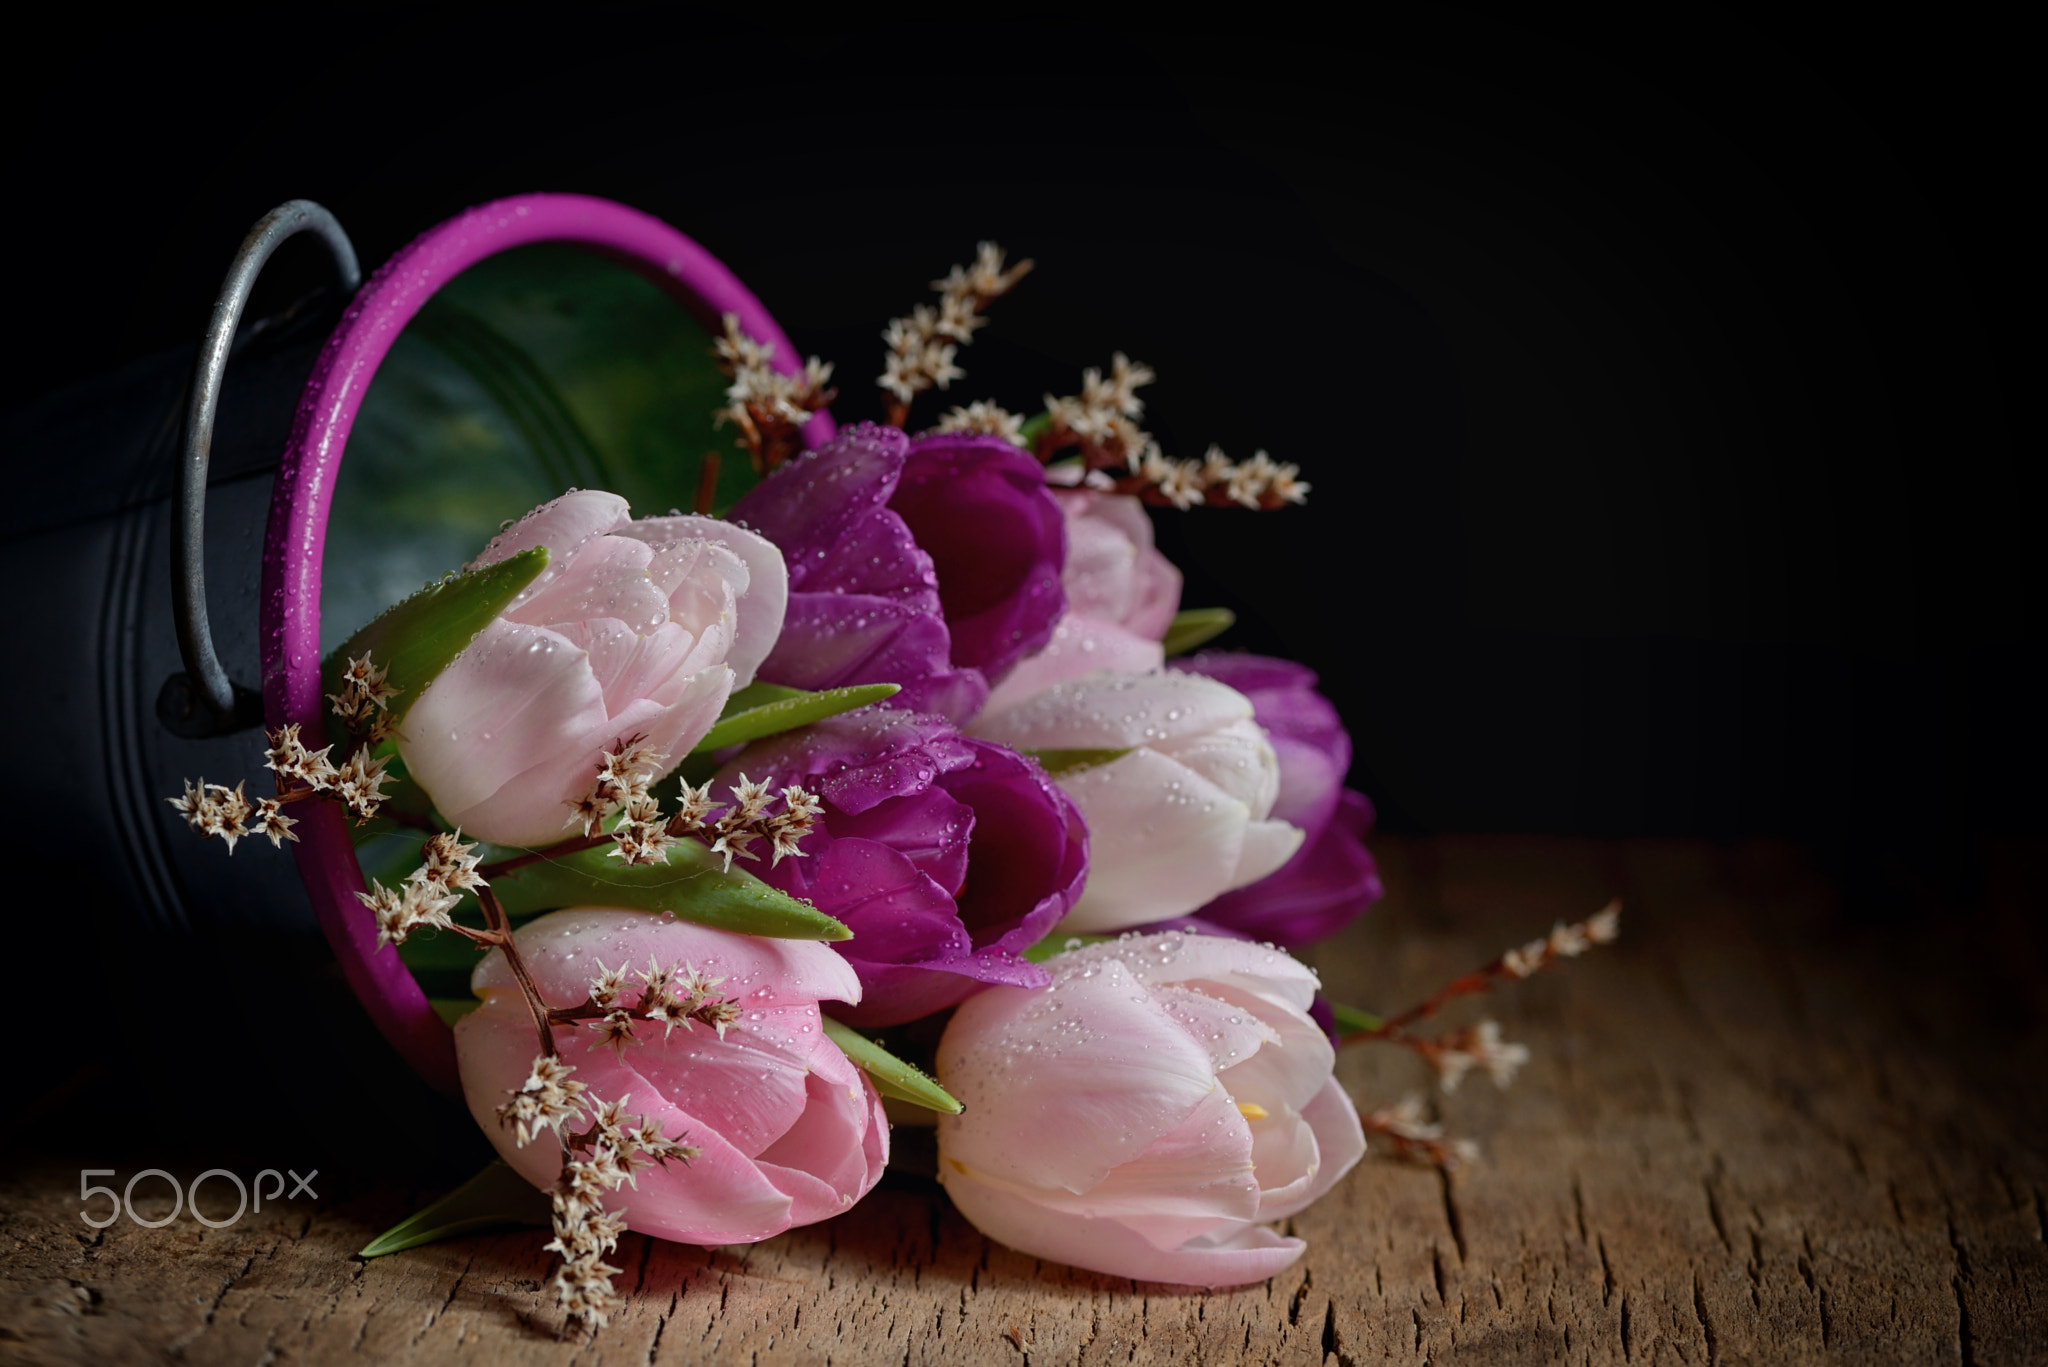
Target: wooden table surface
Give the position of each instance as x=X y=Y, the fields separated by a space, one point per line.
x=1751 y=1132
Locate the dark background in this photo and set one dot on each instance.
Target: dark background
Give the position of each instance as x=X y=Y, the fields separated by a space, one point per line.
x=1658 y=380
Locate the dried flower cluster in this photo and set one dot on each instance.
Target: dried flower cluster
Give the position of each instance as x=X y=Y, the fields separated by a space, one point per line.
x=984 y=419
x=923 y=343
x=643 y=834
x=1406 y=1127
x=1458 y=1052
x=675 y=995
x=1564 y=942
x=228 y=813
x=769 y=408
x=1478 y=1046
x=215 y=810
x=428 y=893
x=363 y=705
x=602 y=1158
x=1118 y=456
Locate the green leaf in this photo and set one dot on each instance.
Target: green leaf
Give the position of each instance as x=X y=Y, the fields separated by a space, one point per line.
x=1034 y=427
x=1059 y=944
x=1058 y=762
x=451 y=1010
x=496 y=1198
x=767 y=709
x=420 y=637
x=891 y=1075
x=694 y=885
x=1352 y=1021
x=1196 y=626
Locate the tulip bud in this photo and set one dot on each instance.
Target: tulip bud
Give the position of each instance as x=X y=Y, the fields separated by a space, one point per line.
x=786 y=1130
x=1176 y=800
x=635 y=628
x=1149 y=1113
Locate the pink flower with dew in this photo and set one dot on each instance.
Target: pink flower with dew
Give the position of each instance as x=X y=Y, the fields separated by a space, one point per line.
x=635 y=628
x=1148 y=1114
x=788 y=1132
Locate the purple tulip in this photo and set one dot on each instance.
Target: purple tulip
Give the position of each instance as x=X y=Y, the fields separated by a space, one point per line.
x=1332 y=879
x=979 y=507
x=947 y=856
x=864 y=600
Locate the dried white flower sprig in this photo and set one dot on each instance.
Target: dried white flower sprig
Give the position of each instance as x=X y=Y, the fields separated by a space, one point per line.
x=643 y=834
x=923 y=343
x=362 y=706
x=1458 y=1052
x=595 y=1160
x=1118 y=456
x=1408 y=1130
x=616 y=1145
x=768 y=407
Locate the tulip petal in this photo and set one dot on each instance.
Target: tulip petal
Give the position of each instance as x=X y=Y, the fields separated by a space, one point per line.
x=760 y=585
x=1090 y=1051
x=519 y=696
x=1176 y=837
x=1081 y=644
x=1267 y=846
x=1340 y=1143
x=1104 y=711
x=560 y=947
x=563 y=525
x=821 y=1162
x=1236 y=757
x=1247 y=1253
x=607 y=578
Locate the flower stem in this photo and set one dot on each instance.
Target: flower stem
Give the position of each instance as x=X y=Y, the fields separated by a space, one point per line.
x=495 y=918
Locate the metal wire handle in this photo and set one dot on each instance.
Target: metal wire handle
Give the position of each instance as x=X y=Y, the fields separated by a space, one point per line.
x=203 y=701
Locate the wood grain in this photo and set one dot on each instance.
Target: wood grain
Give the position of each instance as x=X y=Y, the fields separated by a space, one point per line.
x=1749 y=1135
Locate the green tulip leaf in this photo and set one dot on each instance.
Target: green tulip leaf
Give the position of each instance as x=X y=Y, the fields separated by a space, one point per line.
x=693 y=885
x=1056 y=943
x=1035 y=427
x=891 y=1075
x=768 y=709
x=496 y=1198
x=1059 y=762
x=1194 y=627
x=419 y=638
x=1352 y=1021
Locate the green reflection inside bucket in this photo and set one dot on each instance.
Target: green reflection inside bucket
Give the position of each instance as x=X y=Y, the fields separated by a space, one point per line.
x=534 y=372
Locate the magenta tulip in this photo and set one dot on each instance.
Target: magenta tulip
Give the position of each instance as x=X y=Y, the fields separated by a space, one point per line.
x=948 y=857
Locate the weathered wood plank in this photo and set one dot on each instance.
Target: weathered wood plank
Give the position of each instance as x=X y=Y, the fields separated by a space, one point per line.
x=1747 y=1135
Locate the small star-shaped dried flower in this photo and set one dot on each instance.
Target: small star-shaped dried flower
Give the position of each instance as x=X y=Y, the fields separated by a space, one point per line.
x=360 y=782
x=607 y=985
x=549 y=1098
x=1526 y=960
x=692 y=806
x=271 y=821
x=695 y=984
x=1603 y=927
x=649 y=1139
x=450 y=861
x=717 y=1014
x=609 y=1118
x=615 y=1029
x=984 y=418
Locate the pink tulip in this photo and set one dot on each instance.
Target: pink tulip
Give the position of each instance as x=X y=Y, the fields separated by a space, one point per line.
x=1178 y=818
x=788 y=1131
x=1149 y=1113
x=634 y=628
x=1121 y=597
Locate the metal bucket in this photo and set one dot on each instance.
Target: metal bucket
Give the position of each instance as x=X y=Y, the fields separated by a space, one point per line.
x=125 y=684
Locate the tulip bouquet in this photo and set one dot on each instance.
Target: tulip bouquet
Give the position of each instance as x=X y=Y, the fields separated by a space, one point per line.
x=910 y=737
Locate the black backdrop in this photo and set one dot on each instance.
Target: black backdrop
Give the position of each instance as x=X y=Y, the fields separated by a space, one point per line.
x=1658 y=382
